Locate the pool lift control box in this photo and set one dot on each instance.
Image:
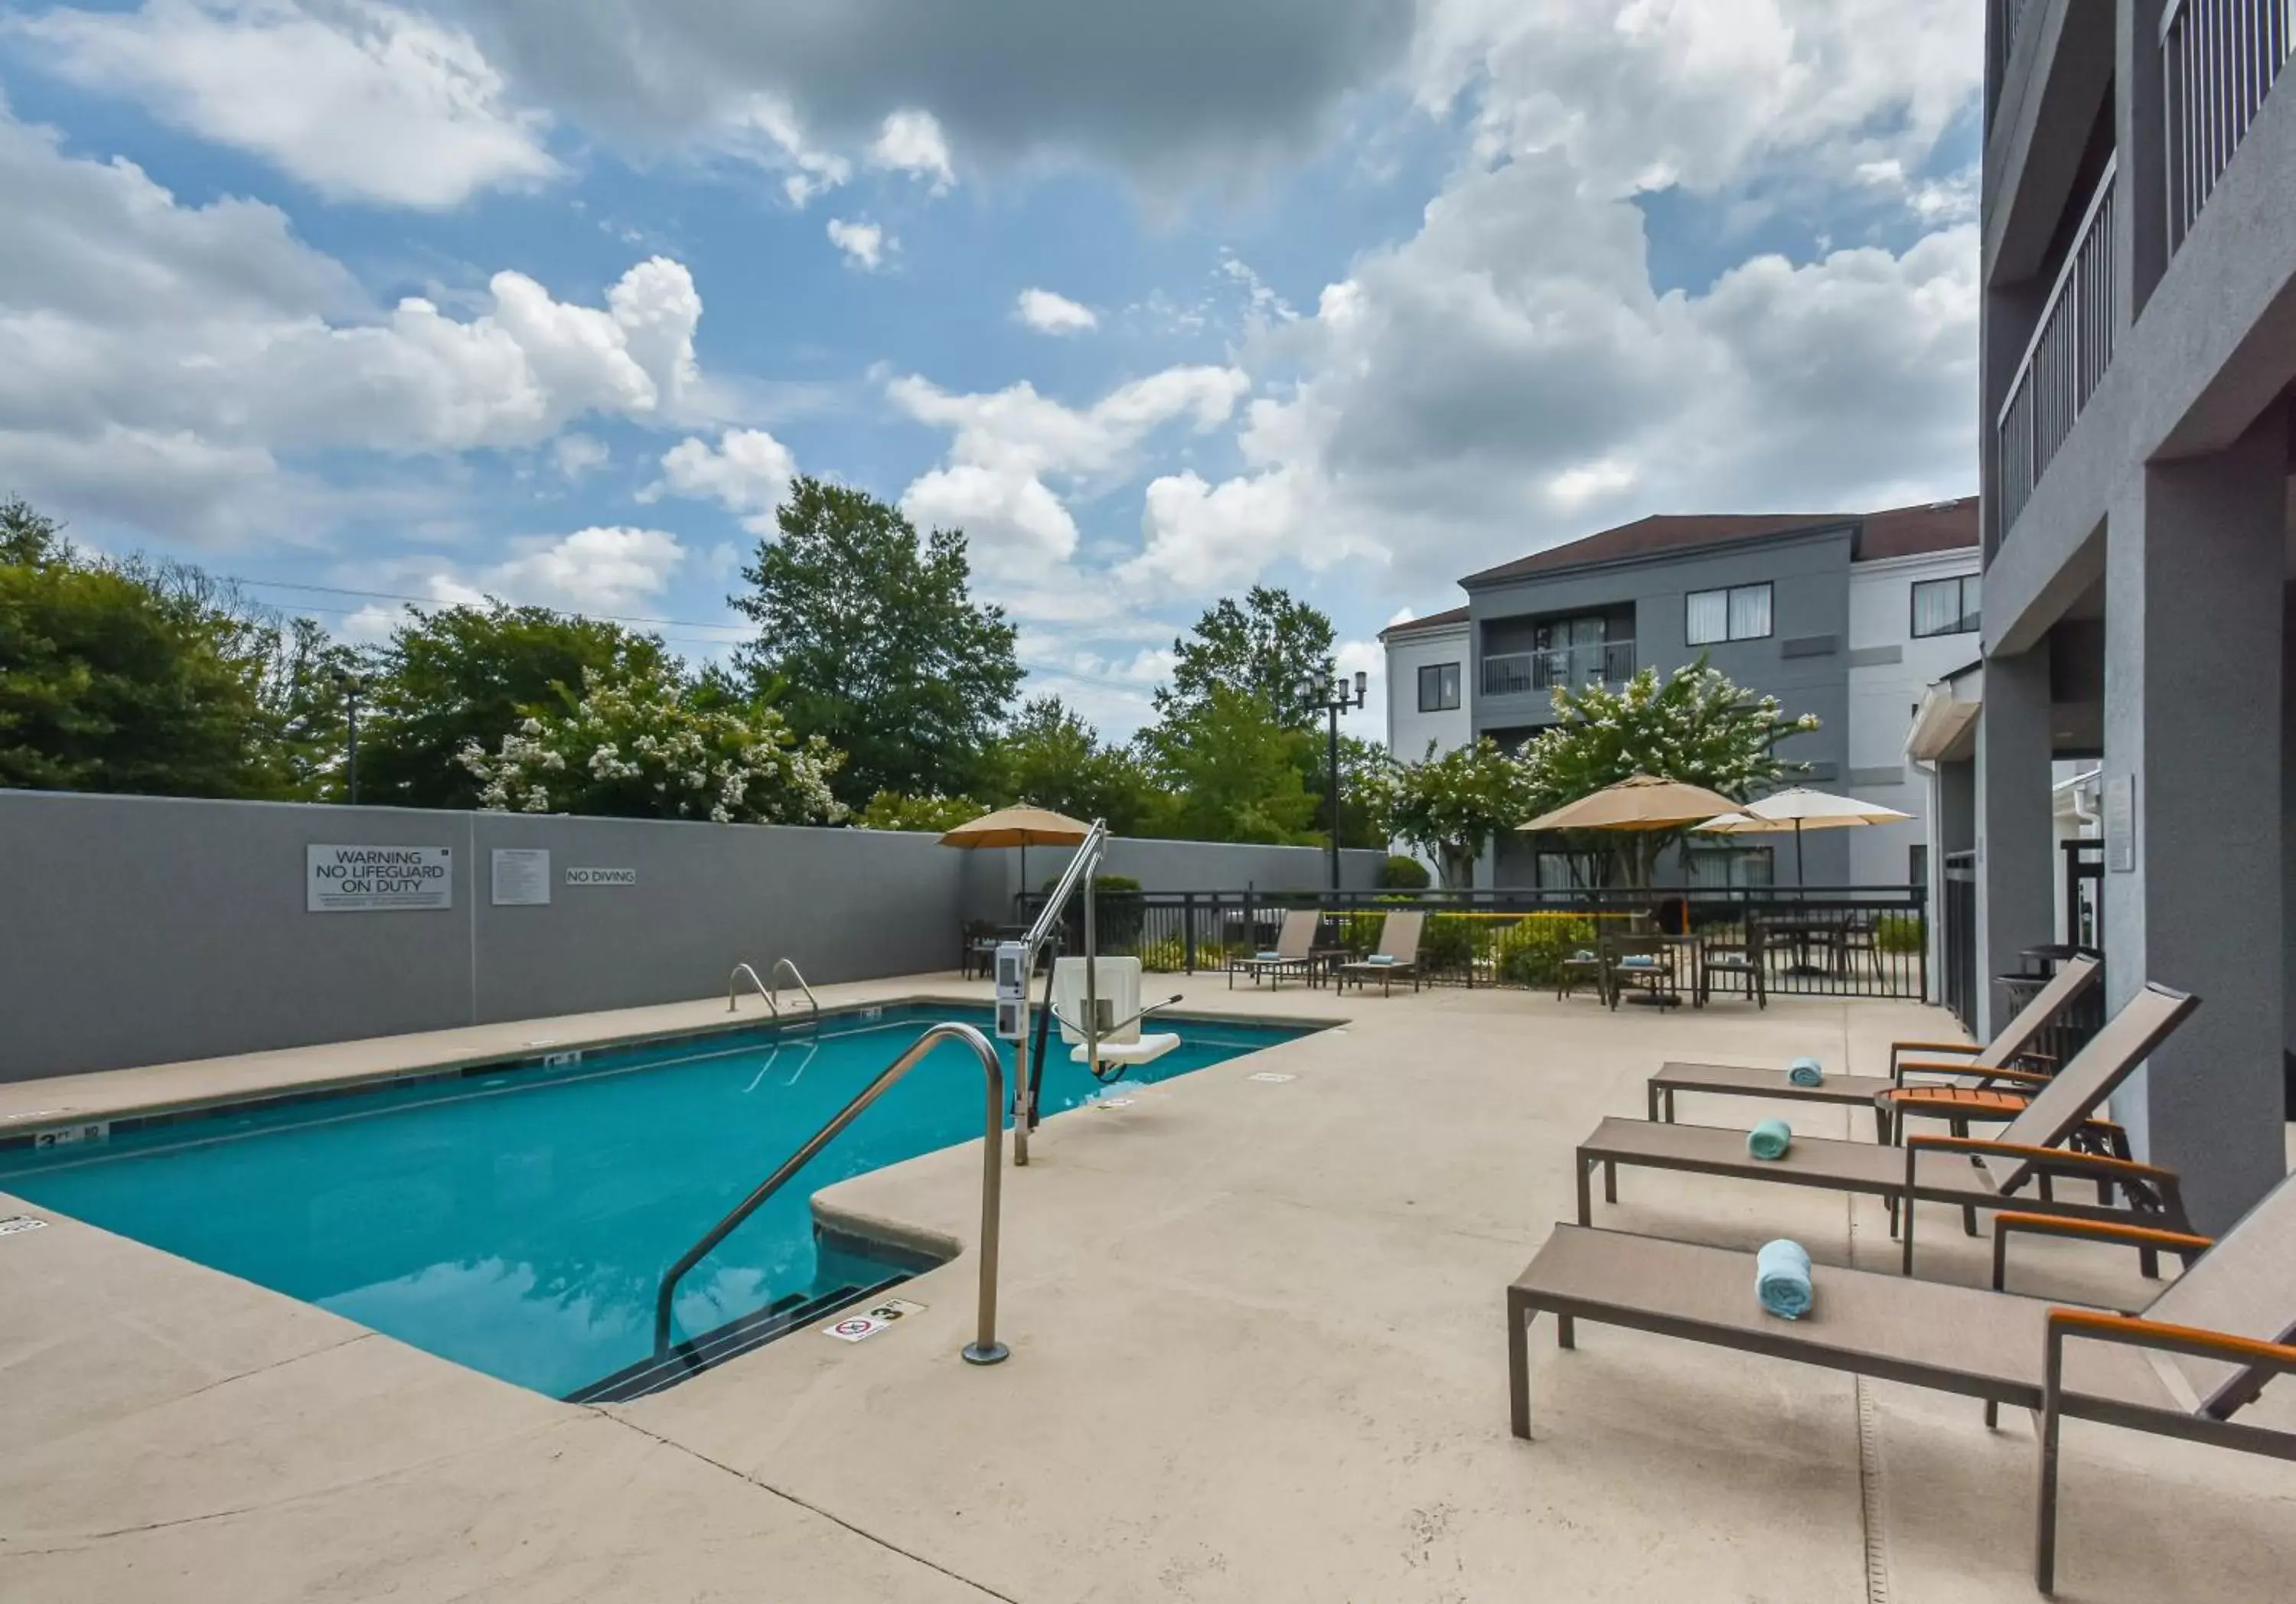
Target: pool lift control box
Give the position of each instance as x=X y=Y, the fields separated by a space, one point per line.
x=1013 y=990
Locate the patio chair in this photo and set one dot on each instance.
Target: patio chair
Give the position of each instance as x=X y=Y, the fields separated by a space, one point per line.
x=1738 y=962
x=1978 y=1079
x=2016 y=1172
x=1646 y=963
x=1293 y=953
x=2198 y=1353
x=1397 y=954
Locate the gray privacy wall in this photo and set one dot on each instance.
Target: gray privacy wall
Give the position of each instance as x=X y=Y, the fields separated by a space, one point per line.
x=144 y=929
x=992 y=877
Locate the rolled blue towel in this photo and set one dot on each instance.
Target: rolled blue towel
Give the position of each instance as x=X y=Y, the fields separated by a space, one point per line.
x=1782 y=1278
x=1582 y=956
x=1638 y=960
x=1269 y=956
x=1770 y=1139
x=1380 y=958
x=1806 y=1072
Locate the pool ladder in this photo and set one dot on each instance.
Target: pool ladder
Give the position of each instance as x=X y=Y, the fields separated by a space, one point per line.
x=772 y=997
x=984 y=1348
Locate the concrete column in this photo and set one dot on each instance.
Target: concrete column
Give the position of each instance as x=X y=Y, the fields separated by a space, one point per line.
x=2194 y=570
x=2014 y=874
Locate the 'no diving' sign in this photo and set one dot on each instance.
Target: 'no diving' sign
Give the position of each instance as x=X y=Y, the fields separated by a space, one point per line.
x=859 y=1328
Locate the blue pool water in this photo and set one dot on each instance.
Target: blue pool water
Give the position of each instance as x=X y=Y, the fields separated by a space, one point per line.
x=519 y=1222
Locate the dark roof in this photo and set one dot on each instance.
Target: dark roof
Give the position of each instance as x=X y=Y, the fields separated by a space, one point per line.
x=1944 y=525
x=1457 y=615
x=1901 y=532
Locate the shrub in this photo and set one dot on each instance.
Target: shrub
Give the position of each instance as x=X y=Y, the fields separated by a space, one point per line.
x=1448 y=942
x=1401 y=874
x=1168 y=955
x=1531 y=952
x=1898 y=933
x=1118 y=910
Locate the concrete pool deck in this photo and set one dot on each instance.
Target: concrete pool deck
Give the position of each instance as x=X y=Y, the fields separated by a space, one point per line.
x=1257 y=1354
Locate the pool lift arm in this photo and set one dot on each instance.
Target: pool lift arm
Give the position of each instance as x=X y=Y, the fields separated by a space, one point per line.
x=1016 y=961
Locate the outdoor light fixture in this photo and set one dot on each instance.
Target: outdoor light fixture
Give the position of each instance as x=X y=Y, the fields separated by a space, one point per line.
x=352 y=686
x=1331 y=694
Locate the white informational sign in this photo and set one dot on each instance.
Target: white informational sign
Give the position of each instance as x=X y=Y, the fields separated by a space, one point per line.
x=2120 y=824
x=857 y=1328
x=521 y=877
x=1268 y=1078
x=94 y=1130
x=602 y=876
x=16 y=1223
x=377 y=880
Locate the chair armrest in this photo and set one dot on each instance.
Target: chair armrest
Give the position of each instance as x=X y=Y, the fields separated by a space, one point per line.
x=2056 y=1157
x=2134 y=1331
x=2183 y=1243
x=1901 y=1067
x=1966 y=1048
x=2023 y=1077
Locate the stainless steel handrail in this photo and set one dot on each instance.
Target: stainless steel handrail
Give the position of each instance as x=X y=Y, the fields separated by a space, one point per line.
x=1086 y=859
x=740 y=969
x=790 y=964
x=984 y=1348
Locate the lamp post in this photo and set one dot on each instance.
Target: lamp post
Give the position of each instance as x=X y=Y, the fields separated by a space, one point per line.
x=1331 y=695
x=351 y=685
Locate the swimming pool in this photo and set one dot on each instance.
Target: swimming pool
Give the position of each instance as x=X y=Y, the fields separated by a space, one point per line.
x=517 y=1219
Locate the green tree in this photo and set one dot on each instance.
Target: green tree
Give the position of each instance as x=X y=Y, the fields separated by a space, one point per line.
x=456 y=675
x=123 y=676
x=935 y=814
x=306 y=712
x=1693 y=725
x=870 y=638
x=1264 y=646
x=1450 y=807
x=1231 y=770
x=649 y=745
x=1048 y=757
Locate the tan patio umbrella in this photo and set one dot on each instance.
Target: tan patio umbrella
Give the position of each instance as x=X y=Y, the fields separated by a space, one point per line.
x=1797 y=808
x=1022 y=827
x=1643 y=802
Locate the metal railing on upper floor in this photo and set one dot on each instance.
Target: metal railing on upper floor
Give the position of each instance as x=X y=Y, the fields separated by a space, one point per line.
x=2219 y=59
x=2071 y=350
x=1515 y=672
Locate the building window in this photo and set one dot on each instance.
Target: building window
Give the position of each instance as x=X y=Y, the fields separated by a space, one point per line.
x=1944 y=607
x=1438 y=687
x=1917 y=866
x=1740 y=613
x=1738 y=868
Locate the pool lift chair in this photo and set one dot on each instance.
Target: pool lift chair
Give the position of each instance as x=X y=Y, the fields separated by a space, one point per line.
x=1105 y=1044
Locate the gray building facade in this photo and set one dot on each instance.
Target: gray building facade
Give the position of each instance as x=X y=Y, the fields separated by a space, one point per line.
x=2139 y=346
x=1767 y=598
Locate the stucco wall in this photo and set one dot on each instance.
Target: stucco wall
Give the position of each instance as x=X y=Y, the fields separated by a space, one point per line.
x=138 y=929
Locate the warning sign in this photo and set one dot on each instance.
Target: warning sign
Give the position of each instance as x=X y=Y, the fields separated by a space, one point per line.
x=16 y=1223
x=857 y=1328
x=375 y=880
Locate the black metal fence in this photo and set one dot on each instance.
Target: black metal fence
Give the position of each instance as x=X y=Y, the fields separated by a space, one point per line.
x=1818 y=941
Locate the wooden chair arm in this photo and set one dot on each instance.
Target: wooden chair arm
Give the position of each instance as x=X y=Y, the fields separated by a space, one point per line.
x=2139 y=1332
x=2056 y=1157
x=1899 y=1049
x=2183 y=1243
x=2023 y=1078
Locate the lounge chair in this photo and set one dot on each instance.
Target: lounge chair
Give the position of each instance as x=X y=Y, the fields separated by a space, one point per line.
x=2015 y=1172
x=1397 y=954
x=2202 y=1350
x=1293 y=955
x=1981 y=1077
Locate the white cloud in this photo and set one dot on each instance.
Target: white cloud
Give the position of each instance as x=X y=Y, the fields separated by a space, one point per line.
x=595 y=570
x=1508 y=378
x=764 y=129
x=1368 y=659
x=359 y=100
x=191 y=349
x=747 y=472
x=865 y=245
x=1007 y=443
x=1050 y=313
x=911 y=142
x=577 y=455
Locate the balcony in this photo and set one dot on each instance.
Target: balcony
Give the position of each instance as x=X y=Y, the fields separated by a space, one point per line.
x=1523 y=672
x=2008 y=18
x=2066 y=361
x=2218 y=61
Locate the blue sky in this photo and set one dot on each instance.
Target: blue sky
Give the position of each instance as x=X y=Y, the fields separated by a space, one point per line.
x=1351 y=296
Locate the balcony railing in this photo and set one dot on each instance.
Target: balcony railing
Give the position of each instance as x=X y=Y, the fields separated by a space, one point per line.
x=2065 y=362
x=1517 y=673
x=2219 y=60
